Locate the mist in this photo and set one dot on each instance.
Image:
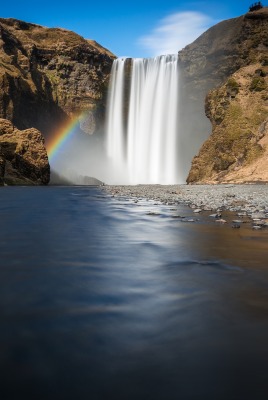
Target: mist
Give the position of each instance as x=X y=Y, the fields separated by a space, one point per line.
x=107 y=155
x=84 y=157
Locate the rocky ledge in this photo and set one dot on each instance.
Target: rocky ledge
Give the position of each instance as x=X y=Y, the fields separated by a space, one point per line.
x=23 y=157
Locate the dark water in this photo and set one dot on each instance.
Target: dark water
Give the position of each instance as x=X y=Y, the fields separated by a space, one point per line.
x=99 y=300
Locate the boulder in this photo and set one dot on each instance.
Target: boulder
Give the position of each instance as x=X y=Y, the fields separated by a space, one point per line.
x=23 y=157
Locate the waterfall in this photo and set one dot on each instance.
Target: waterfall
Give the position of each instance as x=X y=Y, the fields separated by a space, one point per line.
x=142 y=122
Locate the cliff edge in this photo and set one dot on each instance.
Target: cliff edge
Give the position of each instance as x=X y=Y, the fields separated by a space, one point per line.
x=47 y=76
x=205 y=64
x=237 y=103
x=50 y=74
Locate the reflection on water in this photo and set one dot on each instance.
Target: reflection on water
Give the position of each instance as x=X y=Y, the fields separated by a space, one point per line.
x=100 y=300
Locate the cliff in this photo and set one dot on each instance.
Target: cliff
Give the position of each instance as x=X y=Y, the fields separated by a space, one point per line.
x=237 y=149
x=208 y=63
x=47 y=76
x=23 y=157
x=50 y=74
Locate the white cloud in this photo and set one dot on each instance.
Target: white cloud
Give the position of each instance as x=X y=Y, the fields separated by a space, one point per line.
x=174 y=32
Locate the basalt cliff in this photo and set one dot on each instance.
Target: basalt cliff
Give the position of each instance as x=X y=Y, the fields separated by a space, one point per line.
x=227 y=69
x=48 y=75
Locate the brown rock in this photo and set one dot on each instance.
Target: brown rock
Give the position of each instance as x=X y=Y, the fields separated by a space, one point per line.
x=50 y=74
x=207 y=64
x=23 y=157
x=237 y=150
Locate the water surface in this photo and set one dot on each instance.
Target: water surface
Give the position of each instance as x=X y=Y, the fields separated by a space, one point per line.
x=106 y=298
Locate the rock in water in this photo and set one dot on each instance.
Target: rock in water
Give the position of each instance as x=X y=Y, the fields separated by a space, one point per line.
x=218 y=215
x=23 y=157
x=221 y=221
x=235 y=226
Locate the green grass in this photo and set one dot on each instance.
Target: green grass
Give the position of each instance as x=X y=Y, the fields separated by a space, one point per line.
x=258 y=84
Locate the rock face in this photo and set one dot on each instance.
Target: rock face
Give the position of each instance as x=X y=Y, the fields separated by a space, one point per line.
x=48 y=75
x=225 y=48
x=237 y=149
x=23 y=157
x=210 y=61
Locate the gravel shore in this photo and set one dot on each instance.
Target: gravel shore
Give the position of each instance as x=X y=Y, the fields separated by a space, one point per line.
x=244 y=200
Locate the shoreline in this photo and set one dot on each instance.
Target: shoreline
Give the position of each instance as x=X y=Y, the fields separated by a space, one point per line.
x=250 y=201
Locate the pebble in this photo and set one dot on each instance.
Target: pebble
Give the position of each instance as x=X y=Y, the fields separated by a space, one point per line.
x=259 y=223
x=221 y=221
x=215 y=215
x=258 y=216
x=198 y=210
x=235 y=226
x=250 y=200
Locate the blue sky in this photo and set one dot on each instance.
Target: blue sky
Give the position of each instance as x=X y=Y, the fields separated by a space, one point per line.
x=138 y=28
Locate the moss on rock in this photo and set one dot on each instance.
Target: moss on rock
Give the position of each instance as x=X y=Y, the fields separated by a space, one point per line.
x=258 y=84
x=239 y=127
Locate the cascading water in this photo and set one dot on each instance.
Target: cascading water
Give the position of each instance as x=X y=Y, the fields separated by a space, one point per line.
x=115 y=138
x=142 y=123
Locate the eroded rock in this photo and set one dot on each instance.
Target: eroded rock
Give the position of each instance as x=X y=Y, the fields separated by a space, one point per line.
x=50 y=74
x=23 y=157
x=230 y=60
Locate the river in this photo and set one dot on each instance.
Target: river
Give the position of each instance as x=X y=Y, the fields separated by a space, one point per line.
x=105 y=298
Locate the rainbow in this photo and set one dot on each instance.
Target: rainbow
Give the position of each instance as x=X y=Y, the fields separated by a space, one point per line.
x=63 y=135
